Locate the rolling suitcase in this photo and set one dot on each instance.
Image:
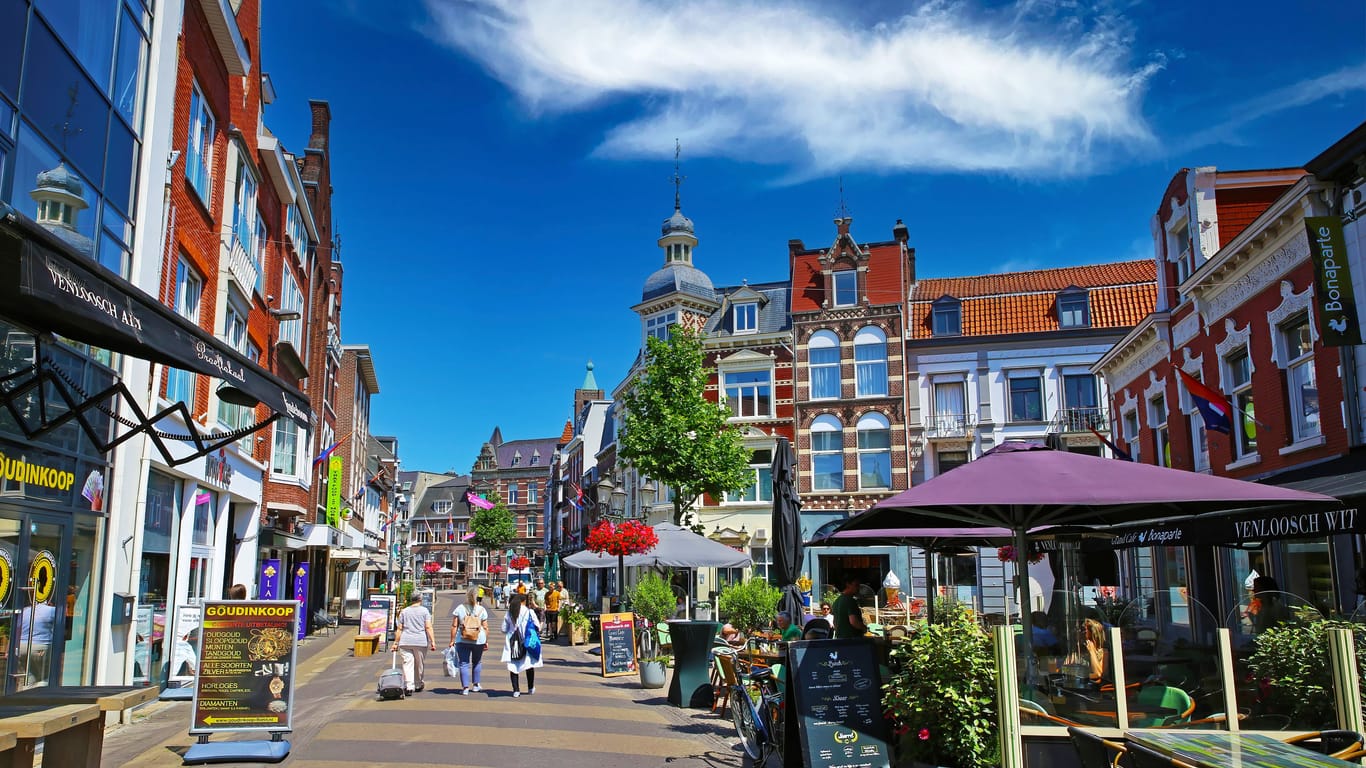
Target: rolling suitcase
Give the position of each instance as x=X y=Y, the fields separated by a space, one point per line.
x=391 y=683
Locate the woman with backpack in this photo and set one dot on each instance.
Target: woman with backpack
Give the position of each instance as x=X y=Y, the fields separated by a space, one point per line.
x=521 y=644
x=470 y=638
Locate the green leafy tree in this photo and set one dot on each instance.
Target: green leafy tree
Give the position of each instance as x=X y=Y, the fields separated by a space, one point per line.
x=750 y=605
x=493 y=528
x=672 y=433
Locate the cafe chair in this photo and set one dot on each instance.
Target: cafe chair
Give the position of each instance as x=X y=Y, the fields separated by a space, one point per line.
x=1158 y=705
x=1217 y=721
x=726 y=680
x=1336 y=743
x=1143 y=757
x=1095 y=751
x=1034 y=713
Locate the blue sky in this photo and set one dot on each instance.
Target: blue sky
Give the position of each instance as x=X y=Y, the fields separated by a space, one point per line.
x=501 y=167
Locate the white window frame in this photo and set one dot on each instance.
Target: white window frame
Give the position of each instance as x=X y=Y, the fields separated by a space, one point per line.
x=826 y=424
x=761 y=488
x=658 y=325
x=1239 y=393
x=199 y=145
x=871 y=337
x=1131 y=430
x=746 y=317
x=531 y=488
x=744 y=399
x=867 y=424
x=1158 y=414
x=514 y=494
x=442 y=507
x=1304 y=426
x=291 y=300
x=244 y=213
x=823 y=340
x=285 y=443
x=844 y=282
x=180 y=384
x=761 y=558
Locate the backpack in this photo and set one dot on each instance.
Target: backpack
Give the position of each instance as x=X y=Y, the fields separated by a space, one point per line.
x=469 y=627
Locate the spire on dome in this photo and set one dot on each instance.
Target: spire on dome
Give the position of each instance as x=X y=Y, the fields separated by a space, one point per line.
x=678 y=179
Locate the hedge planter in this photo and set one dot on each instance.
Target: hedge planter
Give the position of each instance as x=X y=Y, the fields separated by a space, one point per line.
x=578 y=635
x=653 y=674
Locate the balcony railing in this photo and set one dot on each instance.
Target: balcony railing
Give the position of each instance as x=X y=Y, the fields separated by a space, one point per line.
x=950 y=426
x=1081 y=420
x=240 y=266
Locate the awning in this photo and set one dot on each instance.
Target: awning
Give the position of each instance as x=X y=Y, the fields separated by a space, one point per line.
x=278 y=539
x=45 y=285
x=375 y=563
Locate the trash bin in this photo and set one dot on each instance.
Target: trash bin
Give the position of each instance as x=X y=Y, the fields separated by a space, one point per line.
x=691 y=684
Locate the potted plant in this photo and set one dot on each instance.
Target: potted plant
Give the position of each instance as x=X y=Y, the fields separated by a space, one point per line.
x=653 y=601
x=750 y=605
x=578 y=624
x=1294 y=677
x=702 y=610
x=941 y=697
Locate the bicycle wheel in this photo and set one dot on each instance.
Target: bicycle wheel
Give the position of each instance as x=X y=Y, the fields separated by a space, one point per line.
x=747 y=725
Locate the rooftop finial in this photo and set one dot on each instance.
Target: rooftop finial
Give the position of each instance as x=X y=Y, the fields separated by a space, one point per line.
x=843 y=211
x=678 y=179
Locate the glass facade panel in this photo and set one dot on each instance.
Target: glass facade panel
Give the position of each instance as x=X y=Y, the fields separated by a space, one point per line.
x=121 y=174
x=38 y=167
x=85 y=26
x=62 y=103
x=12 y=18
x=127 y=90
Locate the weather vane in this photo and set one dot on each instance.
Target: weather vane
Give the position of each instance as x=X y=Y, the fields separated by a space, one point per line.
x=677 y=179
x=65 y=127
x=843 y=211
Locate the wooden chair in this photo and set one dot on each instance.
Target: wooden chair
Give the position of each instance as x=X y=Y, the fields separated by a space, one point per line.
x=1143 y=757
x=1336 y=743
x=1097 y=752
x=720 y=692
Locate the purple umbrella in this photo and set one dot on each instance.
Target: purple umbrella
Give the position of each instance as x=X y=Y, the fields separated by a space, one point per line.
x=1021 y=486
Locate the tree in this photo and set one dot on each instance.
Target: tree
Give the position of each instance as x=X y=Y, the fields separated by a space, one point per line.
x=493 y=528
x=672 y=433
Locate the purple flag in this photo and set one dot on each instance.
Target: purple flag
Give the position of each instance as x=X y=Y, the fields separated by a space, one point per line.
x=270 y=580
x=301 y=594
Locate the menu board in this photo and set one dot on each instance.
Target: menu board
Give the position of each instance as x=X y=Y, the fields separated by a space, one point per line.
x=837 y=693
x=618 y=644
x=245 y=677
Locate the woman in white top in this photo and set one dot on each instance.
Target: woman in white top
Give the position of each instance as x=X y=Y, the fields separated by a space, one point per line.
x=470 y=651
x=518 y=619
x=414 y=637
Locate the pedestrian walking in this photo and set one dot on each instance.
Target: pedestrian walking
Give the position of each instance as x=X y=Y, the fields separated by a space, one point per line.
x=537 y=600
x=497 y=595
x=553 y=598
x=470 y=637
x=520 y=628
x=414 y=626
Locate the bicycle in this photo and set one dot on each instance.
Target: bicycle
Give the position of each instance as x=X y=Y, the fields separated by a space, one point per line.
x=760 y=726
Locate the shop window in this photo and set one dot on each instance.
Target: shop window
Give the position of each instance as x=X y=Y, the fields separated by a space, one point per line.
x=874 y=451
x=824 y=365
x=1026 y=397
x=846 y=288
x=205 y=506
x=749 y=394
x=1297 y=344
x=870 y=362
x=1157 y=417
x=827 y=454
x=1238 y=375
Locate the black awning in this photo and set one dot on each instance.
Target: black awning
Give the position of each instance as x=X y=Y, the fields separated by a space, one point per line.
x=46 y=286
x=1237 y=530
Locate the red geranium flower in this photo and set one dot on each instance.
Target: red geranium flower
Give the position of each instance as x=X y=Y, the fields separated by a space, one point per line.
x=629 y=538
x=924 y=734
x=519 y=563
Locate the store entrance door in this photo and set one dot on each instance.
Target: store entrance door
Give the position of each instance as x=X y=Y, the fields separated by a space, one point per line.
x=33 y=604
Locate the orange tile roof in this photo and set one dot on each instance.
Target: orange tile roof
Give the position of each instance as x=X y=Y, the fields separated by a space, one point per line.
x=1121 y=294
x=568 y=433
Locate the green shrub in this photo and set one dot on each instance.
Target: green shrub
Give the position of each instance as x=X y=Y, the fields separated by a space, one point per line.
x=405 y=589
x=1290 y=661
x=749 y=605
x=652 y=598
x=942 y=694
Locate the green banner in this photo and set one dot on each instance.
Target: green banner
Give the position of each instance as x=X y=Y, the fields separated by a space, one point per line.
x=1333 y=297
x=334 y=483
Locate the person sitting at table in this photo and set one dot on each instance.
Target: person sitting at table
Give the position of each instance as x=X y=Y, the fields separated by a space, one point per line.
x=1045 y=640
x=786 y=629
x=1097 y=655
x=732 y=636
x=1266 y=609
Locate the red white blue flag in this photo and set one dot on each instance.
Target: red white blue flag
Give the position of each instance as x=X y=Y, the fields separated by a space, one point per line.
x=1214 y=407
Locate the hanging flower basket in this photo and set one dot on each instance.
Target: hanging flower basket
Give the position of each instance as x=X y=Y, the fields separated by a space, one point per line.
x=431 y=567
x=629 y=538
x=1006 y=554
x=519 y=563
x=497 y=568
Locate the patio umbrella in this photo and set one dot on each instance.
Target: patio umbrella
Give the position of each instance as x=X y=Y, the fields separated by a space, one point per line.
x=1020 y=486
x=552 y=567
x=677 y=548
x=787 y=531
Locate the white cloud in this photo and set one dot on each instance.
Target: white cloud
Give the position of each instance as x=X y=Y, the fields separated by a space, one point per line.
x=1040 y=89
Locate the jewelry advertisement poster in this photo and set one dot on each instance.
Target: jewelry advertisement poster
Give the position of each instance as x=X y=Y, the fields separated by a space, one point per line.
x=245 y=678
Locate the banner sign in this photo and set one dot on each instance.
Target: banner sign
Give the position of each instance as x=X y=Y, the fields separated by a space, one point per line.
x=374 y=617
x=1233 y=530
x=301 y=596
x=269 y=582
x=245 y=678
x=1339 y=325
x=334 y=493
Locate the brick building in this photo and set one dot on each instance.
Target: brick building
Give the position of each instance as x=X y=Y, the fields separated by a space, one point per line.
x=518 y=472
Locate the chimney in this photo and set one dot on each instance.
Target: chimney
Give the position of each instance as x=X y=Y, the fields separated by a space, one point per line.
x=842 y=224
x=322 y=119
x=900 y=233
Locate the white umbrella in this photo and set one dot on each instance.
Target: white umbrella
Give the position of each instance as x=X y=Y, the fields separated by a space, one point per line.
x=677 y=548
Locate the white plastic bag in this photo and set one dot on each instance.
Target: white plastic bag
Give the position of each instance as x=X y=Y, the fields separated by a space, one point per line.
x=452 y=662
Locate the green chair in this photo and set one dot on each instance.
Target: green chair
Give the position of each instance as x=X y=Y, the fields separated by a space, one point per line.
x=1158 y=705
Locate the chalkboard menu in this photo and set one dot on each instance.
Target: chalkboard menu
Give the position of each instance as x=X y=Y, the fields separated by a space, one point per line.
x=836 y=690
x=618 y=644
x=245 y=677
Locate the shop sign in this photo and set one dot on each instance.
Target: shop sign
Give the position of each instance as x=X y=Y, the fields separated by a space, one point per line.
x=270 y=580
x=334 y=491
x=23 y=471
x=245 y=678
x=301 y=596
x=1336 y=304
x=217 y=469
x=185 y=649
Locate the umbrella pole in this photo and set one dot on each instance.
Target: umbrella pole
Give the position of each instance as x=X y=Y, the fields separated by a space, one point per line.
x=621 y=578
x=930 y=590
x=1022 y=577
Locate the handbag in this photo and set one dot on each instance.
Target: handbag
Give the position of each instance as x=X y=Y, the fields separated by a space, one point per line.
x=516 y=648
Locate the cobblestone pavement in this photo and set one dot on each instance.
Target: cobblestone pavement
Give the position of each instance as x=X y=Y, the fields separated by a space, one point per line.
x=576 y=717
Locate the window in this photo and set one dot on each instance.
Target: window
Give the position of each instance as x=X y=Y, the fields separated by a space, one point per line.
x=846 y=288
x=950 y=408
x=291 y=300
x=749 y=393
x=947 y=460
x=513 y=494
x=761 y=483
x=516 y=459
x=874 y=451
x=205 y=503
x=442 y=506
x=870 y=362
x=1026 y=397
x=658 y=326
x=244 y=210
x=1238 y=367
x=1074 y=310
x=535 y=458
x=746 y=317
x=235 y=328
x=763 y=562
x=947 y=317
x=827 y=454
x=1079 y=398
x=1131 y=432
x=1298 y=346
x=1179 y=241
x=284 y=460
x=258 y=251
x=188 y=291
x=531 y=488
x=824 y=365
x=298 y=233
x=1157 y=417
x=530 y=527
x=199 y=152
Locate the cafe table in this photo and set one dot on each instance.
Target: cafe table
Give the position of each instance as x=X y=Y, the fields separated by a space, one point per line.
x=1221 y=749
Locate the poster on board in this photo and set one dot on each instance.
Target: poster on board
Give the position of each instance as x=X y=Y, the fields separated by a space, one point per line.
x=245 y=677
x=184 y=652
x=618 y=644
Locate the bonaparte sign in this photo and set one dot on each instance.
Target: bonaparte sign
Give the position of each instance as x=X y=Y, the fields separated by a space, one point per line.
x=1333 y=296
x=245 y=677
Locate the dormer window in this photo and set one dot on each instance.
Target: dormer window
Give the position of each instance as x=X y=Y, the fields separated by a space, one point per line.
x=947 y=317
x=1074 y=309
x=846 y=288
x=747 y=317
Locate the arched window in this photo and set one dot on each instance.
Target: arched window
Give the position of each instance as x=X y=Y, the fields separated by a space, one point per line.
x=874 y=451
x=823 y=363
x=870 y=362
x=827 y=454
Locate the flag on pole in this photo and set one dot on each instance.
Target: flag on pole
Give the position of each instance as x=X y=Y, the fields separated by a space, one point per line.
x=327 y=452
x=450 y=529
x=1213 y=406
x=577 y=501
x=1119 y=453
x=478 y=501
x=430 y=533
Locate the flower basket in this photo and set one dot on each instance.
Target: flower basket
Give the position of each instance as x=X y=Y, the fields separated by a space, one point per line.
x=519 y=563
x=1006 y=554
x=497 y=568
x=629 y=538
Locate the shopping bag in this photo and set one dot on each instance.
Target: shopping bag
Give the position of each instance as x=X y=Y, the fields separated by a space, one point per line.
x=516 y=648
x=452 y=662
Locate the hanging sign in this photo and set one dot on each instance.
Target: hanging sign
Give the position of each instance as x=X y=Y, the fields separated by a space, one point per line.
x=618 y=644
x=1339 y=325
x=245 y=678
x=301 y=596
x=334 y=491
x=270 y=579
